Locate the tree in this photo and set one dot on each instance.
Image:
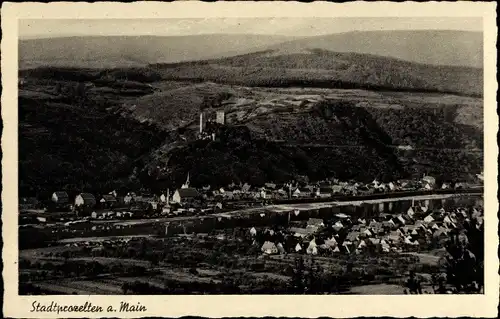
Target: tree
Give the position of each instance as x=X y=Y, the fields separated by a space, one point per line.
x=297 y=281
x=464 y=262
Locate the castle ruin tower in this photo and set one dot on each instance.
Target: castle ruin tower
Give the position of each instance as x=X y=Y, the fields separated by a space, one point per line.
x=201 y=122
x=220 y=117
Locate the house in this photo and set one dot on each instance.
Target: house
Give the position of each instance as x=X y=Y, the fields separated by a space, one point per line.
x=296 y=193
x=312 y=249
x=407 y=240
x=353 y=236
x=337 y=226
x=26 y=203
x=366 y=232
x=312 y=229
x=400 y=219
x=361 y=245
x=449 y=221
x=445 y=186
x=337 y=189
x=60 y=198
x=385 y=246
x=428 y=219
x=129 y=198
x=324 y=192
x=185 y=195
x=263 y=194
x=280 y=248
x=85 y=200
x=480 y=176
x=302 y=232
x=330 y=243
x=440 y=234
x=347 y=246
x=376 y=227
x=394 y=237
x=270 y=185
x=108 y=201
x=163 y=198
x=298 y=248
x=429 y=180
x=373 y=241
x=356 y=228
x=411 y=230
x=315 y=222
x=411 y=211
x=253 y=231
x=227 y=195
x=389 y=224
x=245 y=188
x=433 y=226
x=391 y=186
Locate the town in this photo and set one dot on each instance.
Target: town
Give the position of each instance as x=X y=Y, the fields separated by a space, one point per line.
x=281 y=232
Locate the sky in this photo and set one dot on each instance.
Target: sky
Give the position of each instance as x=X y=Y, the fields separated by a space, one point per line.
x=45 y=28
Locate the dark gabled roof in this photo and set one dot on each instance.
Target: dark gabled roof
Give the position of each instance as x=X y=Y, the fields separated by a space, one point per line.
x=88 y=198
x=61 y=194
x=188 y=192
x=325 y=190
x=62 y=197
x=109 y=198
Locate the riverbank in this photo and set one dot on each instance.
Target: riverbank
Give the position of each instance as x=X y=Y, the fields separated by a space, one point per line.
x=383 y=198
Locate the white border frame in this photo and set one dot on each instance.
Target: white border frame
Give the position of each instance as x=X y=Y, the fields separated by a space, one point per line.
x=283 y=305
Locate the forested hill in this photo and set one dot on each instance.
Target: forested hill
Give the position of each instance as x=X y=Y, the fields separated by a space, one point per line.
x=327 y=69
x=315 y=113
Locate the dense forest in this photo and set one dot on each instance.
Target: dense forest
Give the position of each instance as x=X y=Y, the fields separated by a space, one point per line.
x=75 y=141
x=326 y=69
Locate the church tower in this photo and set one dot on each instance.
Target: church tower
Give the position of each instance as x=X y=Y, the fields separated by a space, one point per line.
x=186 y=184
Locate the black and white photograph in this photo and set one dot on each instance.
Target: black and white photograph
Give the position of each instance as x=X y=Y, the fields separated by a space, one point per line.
x=251 y=156
x=323 y=156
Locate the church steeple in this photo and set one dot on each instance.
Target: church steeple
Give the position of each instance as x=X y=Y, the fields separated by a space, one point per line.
x=186 y=184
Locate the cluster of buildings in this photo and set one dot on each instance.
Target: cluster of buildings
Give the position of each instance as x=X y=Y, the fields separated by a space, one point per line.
x=188 y=198
x=323 y=189
x=418 y=228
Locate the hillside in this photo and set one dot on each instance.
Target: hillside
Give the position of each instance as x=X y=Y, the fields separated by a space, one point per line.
x=326 y=69
x=435 y=47
x=74 y=138
x=133 y=51
x=134 y=127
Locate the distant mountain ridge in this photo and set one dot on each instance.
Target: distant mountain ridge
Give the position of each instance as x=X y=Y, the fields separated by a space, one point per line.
x=135 y=51
x=454 y=48
x=435 y=47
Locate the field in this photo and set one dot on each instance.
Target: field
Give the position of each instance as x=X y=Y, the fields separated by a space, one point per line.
x=189 y=266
